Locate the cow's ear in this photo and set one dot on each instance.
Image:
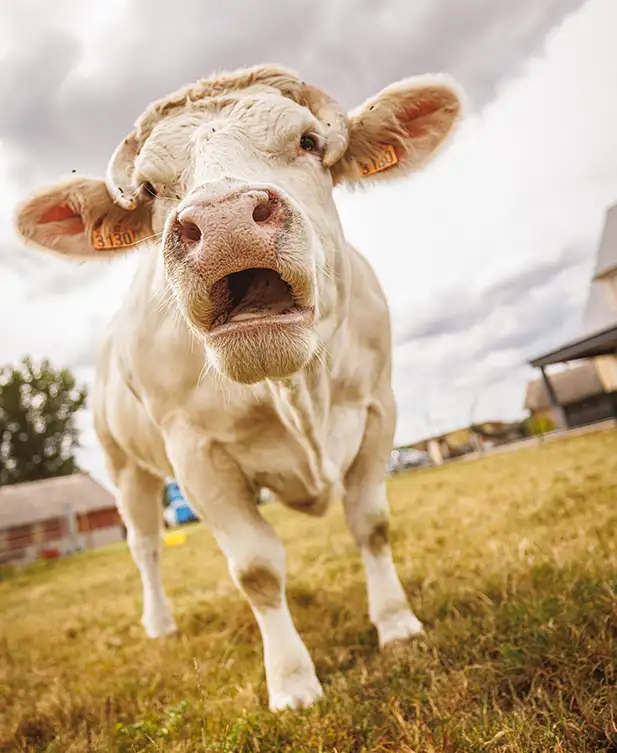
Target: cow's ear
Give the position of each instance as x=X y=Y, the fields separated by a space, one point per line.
x=77 y=218
x=400 y=129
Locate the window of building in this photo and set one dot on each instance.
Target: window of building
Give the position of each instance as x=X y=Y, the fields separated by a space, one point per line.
x=19 y=537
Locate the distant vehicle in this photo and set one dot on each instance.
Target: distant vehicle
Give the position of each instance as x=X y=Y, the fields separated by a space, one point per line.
x=177 y=512
x=405 y=458
x=392 y=463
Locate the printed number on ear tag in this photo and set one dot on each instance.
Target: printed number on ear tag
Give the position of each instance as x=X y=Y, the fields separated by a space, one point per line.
x=386 y=159
x=112 y=240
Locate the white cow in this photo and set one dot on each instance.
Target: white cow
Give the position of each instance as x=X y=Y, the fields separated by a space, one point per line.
x=254 y=346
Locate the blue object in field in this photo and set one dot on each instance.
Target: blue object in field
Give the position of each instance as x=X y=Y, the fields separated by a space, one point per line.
x=182 y=511
x=173 y=492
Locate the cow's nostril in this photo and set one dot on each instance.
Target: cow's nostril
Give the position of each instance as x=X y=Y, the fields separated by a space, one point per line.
x=262 y=212
x=189 y=230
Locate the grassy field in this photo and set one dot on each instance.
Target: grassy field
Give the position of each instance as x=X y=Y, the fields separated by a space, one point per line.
x=511 y=562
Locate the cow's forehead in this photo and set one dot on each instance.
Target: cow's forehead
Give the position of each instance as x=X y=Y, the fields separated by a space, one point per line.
x=258 y=107
x=258 y=78
x=259 y=100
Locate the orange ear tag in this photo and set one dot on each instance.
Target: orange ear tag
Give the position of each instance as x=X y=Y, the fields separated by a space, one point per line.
x=113 y=240
x=384 y=161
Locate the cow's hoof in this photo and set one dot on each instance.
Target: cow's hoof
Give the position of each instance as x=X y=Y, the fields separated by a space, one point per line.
x=159 y=625
x=398 y=628
x=296 y=692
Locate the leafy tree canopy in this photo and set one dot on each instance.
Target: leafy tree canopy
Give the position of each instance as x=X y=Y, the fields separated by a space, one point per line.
x=38 y=436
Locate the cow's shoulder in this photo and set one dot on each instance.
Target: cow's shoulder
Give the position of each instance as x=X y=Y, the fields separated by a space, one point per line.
x=368 y=308
x=362 y=352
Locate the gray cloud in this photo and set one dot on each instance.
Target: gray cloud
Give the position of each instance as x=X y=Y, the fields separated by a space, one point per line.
x=59 y=120
x=488 y=337
x=459 y=311
x=31 y=87
x=550 y=317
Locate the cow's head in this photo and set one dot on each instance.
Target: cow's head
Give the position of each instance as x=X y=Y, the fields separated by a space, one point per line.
x=232 y=179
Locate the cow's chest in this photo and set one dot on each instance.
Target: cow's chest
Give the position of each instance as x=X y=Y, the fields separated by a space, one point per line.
x=303 y=459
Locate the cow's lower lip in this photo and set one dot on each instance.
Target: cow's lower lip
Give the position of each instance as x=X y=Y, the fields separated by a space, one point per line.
x=258 y=322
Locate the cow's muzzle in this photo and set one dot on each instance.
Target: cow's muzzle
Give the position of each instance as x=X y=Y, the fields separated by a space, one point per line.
x=246 y=250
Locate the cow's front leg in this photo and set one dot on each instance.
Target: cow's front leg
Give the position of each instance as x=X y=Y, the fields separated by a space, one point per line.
x=389 y=611
x=216 y=489
x=366 y=510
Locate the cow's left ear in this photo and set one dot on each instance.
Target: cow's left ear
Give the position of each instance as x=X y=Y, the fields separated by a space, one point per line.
x=400 y=129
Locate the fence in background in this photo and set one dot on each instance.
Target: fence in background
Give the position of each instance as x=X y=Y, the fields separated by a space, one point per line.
x=536 y=441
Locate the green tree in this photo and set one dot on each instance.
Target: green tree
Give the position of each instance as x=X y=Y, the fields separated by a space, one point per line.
x=38 y=436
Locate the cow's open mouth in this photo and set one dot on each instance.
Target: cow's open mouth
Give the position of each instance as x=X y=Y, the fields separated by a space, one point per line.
x=254 y=298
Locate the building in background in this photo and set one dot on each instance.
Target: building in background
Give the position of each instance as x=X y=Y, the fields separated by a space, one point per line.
x=585 y=393
x=454 y=444
x=56 y=516
x=588 y=392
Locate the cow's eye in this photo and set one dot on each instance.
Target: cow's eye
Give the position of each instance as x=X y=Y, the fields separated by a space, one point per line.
x=309 y=143
x=150 y=189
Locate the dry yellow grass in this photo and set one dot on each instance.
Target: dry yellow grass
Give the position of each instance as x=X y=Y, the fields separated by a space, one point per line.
x=510 y=561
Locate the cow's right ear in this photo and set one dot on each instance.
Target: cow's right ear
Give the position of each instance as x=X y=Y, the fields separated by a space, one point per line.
x=78 y=219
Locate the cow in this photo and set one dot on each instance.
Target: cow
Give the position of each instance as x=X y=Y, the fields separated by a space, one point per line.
x=253 y=348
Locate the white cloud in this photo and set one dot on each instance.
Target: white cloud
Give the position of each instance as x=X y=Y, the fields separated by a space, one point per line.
x=60 y=325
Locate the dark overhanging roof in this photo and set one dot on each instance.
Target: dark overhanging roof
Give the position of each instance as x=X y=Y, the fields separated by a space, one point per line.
x=601 y=343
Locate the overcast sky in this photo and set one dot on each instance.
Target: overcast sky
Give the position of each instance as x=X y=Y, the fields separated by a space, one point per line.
x=485 y=257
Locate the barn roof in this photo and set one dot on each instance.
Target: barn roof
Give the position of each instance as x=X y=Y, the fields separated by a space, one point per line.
x=570 y=386
x=601 y=343
x=35 y=501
